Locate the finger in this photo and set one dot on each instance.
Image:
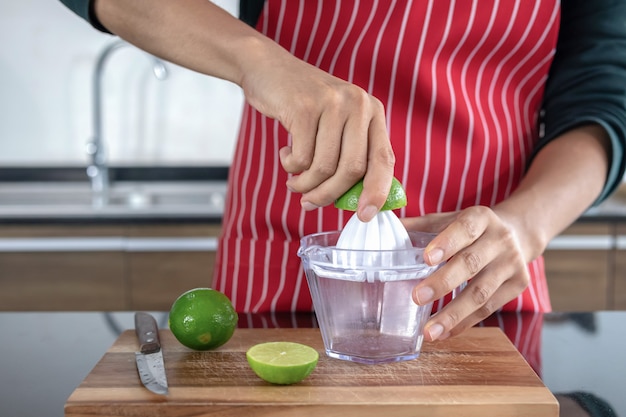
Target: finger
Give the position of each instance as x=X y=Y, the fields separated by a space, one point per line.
x=329 y=145
x=380 y=165
x=430 y=223
x=465 y=229
x=349 y=168
x=455 y=318
x=463 y=266
x=298 y=156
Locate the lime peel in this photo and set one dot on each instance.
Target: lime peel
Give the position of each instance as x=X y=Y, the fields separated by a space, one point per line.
x=395 y=199
x=202 y=319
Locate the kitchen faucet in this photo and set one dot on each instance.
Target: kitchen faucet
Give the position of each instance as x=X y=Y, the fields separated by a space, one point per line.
x=98 y=170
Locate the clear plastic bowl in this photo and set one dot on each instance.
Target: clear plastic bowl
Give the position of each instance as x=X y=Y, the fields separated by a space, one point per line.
x=363 y=298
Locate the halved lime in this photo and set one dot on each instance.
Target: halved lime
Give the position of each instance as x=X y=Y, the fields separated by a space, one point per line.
x=282 y=362
x=395 y=199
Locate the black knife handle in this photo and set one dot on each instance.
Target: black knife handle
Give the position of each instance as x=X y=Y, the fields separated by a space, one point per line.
x=147 y=332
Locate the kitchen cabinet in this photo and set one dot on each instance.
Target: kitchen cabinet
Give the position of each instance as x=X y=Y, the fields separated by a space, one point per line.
x=146 y=266
x=619 y=292
x=580 y=268
x=157 y=277
x=87 y=267
x=71 y=281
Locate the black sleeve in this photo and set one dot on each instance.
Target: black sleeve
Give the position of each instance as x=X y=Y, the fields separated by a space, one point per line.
x=250 y=10
x=85 y=9
x=587 y=80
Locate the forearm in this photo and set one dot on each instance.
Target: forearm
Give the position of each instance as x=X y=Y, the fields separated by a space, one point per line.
x=195 y=34
x=337 y=129
x=564 y=179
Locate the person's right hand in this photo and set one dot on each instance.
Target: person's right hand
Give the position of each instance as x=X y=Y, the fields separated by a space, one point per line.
x=338 y=131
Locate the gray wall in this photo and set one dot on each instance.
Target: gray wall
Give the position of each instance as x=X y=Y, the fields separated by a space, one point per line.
x=47 y=56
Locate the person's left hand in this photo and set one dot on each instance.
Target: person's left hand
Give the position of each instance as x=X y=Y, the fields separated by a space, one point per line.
x=479 y=245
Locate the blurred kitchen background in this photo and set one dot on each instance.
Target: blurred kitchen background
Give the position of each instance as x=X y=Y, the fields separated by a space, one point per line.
x=69 y=241
x=48 y=61
x=153 y=234
x=142 y=227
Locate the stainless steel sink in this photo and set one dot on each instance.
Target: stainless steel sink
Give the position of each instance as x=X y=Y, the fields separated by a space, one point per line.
x=124 y=199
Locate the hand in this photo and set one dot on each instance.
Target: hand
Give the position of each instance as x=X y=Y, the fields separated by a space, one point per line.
x=338 y=131
x=478 y=245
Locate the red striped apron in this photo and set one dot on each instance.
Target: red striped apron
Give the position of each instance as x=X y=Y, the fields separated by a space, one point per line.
x=462 y=84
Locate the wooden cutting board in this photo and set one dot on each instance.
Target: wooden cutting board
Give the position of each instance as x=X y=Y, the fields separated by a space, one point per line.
x=479 y=373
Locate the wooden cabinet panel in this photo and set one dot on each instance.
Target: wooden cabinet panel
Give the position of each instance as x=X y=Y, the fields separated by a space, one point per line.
x=578 y=268
x=62 y=281
x=578 y=280
x=619 y=293
x=586 y=275
x=619 y=300
x=158 y=278
x=117 y=278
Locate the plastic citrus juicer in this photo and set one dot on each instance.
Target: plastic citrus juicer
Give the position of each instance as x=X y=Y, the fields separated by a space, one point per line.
x=373 y=245
x=385 y=232
x=361 y=281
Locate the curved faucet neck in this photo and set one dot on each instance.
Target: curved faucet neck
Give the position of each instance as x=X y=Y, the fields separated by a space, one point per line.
x=98 y=170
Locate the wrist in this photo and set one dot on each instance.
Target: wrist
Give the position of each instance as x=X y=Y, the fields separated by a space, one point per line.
x=528 y=230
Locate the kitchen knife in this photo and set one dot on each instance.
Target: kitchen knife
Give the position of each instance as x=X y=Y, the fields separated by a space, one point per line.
x=150 y=356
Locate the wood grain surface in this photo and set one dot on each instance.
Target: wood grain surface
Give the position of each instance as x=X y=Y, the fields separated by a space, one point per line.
x=479 y=373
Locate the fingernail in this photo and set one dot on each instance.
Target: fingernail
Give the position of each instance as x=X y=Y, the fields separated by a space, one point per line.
x=435 y=256
x=435 y=331
x=425 y=295
x=308 y=206
x=368 y=213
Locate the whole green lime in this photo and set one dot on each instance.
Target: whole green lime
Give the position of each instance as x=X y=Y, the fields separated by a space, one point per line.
x=202 y=319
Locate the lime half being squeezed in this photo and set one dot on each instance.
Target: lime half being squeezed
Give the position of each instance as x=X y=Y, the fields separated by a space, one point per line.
x=384 y=232
x=395 y=199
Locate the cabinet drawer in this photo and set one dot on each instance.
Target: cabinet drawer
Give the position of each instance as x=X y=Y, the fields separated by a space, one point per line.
x=156 y=279
x=579 y=268
x=108 y=267
x=578 y=280
x=62 y=281
x=620 y=269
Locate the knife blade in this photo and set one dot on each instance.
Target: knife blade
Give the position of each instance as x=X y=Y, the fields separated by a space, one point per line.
x=149 y=359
